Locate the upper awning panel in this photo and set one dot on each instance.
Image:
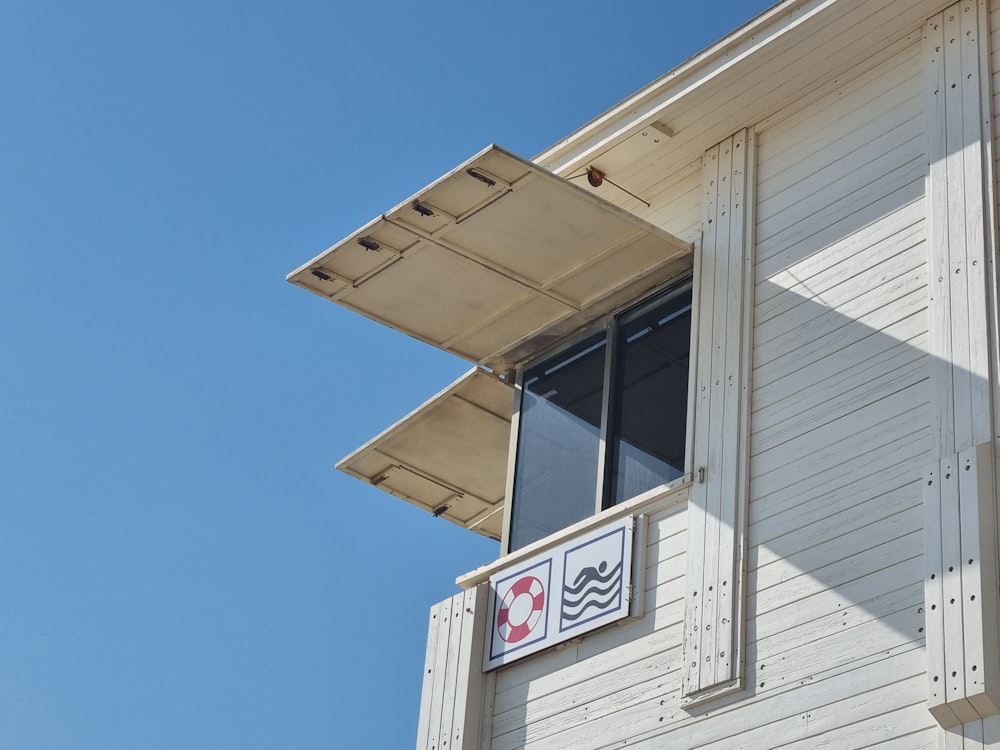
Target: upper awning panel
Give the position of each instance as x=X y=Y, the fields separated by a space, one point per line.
x=495 y=261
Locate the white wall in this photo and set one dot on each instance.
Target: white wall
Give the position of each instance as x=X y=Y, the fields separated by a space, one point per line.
x=610 y=683
x=841 y=414
x=840 y=432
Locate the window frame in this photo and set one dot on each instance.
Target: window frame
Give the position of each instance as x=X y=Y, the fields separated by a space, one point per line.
x=611 y=326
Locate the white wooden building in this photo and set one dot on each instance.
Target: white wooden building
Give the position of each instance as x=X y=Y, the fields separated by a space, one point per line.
x=767 y=370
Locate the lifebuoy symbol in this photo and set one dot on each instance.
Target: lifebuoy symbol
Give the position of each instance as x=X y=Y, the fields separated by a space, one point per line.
x=521 y=609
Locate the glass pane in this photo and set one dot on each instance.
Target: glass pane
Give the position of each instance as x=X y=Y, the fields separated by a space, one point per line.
x=651 y=417
x=555 y=480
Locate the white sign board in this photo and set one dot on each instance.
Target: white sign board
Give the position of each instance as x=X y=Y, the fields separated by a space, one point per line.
x=560 y=594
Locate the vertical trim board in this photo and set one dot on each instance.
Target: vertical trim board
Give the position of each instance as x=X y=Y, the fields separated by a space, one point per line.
x=714 y=603
x=453 y=696
x=427 y=689
x=963 y=606
x=956 y=187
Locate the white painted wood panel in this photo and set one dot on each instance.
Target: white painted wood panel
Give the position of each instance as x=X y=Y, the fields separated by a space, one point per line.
x=843 y=332
x=676 y=202
x=819 y=314
x=454 y=687
x=811 y=643
x=750 y=723
x=861 y=105
x=841 y=428
x=857 y=472
x=786 y=75
x=607 y=669
x=961 y=569
x=892 y=157
x=856 y=388
x=567 y=669
x=792 y=393
x=714 y=613
x=885 y=195
x=787 y=585
x=961 y=587
x=839 y=264
x=871 y=732
x=845 y=502
x=589 y=700
x=818 y=448
x=825 y=726
x=957 y=182
x=824 y=541
x=840 y=416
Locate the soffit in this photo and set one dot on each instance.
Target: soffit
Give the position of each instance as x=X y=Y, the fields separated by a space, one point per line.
x=495 y=261
x=449 y=456
x=795 y=51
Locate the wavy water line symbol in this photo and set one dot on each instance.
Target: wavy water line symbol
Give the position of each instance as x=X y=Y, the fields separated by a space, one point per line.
x=593 y=588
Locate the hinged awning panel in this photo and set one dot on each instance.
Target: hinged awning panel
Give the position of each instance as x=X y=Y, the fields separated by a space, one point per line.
x=493 y=258
x=560 y=233
x=449 y=456
x=373 y=248
x=442 y=294
x=626 y=268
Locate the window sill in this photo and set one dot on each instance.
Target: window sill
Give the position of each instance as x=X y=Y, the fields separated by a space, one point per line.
x=662 y=497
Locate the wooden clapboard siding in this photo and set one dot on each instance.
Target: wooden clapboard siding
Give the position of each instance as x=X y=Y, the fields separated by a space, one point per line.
x=621 y=665
x=769 y=717
x=850 y=480
x=787 y=655
x=840 y=428
x=855 y=201
x=805 y=366
x=828 y=446
x=823 y=543
x=840 y=417
x=852 y=390
x=870 y=107
x=676 y=202
x=831 y=724
x=869 y=290
x=881 y=246
x=825 y=350
x=892 y=157
x=780 y=521
x=809 y=595
x=553 y=698
x=833 y=734
x=576 y=673
x=849 y=353
x=835 y=309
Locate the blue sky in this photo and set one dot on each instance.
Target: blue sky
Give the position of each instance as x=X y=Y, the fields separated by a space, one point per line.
x=180 y=564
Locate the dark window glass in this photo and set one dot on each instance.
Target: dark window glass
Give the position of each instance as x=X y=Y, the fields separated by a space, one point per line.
x=561 y=473
x=555 y=484
x=651 y=395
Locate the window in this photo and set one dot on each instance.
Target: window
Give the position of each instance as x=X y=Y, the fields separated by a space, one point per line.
x=603 y=419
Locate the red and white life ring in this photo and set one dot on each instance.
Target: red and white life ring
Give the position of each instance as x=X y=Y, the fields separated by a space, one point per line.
x=521 y=609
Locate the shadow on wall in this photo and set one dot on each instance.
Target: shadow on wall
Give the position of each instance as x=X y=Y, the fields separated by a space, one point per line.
x=840 y=435
x=842 y=428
